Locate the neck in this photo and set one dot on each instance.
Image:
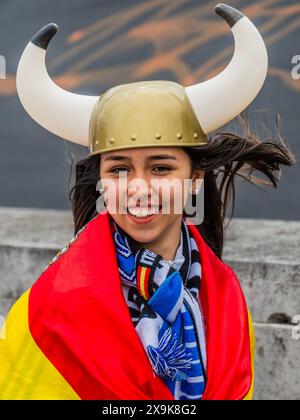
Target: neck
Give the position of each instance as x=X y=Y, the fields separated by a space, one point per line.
x=167 y=244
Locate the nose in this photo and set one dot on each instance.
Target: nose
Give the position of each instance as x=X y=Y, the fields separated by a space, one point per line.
x=141 y=192
x=140 y=189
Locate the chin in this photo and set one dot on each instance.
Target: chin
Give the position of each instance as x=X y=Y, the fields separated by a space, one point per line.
x=142 y=235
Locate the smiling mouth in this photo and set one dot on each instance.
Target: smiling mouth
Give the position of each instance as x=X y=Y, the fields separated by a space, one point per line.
x=143 y=212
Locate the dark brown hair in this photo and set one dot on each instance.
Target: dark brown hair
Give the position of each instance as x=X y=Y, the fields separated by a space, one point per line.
x=225 y=156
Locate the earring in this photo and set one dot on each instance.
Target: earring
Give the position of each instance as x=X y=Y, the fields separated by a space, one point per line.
x=196 y=191
x=99 y=187
x=100 y=203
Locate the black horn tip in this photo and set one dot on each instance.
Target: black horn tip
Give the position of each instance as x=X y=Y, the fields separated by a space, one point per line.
x=228 y=13
x=44 y=35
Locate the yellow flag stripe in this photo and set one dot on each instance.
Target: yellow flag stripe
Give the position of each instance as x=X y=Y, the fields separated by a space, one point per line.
x=249 y=396
x=15 y=355
x=25 y=371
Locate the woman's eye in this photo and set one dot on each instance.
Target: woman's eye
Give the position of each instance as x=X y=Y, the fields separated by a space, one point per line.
x=119 y=171
x=161 y=169
x=124 y=171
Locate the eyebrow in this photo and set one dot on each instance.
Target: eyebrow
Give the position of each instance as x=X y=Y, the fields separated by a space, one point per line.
x=153 y=157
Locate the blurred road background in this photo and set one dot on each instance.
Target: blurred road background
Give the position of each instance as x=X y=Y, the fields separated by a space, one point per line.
x=104 y=43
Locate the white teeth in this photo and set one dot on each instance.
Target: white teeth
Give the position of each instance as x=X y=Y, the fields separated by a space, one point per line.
x=141 y=213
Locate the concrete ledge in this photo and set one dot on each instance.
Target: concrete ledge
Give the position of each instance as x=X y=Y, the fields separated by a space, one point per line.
x=269 y=241
x=35 y=228
x=272 y=290
x=264 y=254
x=20 y=266
x=277 y=363
x=29 y=239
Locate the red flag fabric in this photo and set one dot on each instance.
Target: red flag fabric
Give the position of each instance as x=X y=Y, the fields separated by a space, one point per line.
x=79 y=321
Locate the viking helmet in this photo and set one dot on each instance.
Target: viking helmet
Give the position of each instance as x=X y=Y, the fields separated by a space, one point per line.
x=146 y=113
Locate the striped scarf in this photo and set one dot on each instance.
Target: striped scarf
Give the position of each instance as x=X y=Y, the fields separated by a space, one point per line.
x=163 y=302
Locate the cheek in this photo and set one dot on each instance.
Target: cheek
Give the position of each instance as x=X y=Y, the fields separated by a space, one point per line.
x=117 y=204
x=177 y=193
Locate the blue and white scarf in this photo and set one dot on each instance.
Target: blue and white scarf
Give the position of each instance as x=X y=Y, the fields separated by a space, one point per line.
x=163 y=302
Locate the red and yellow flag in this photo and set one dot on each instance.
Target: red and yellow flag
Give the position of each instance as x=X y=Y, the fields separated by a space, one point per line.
x=71 y=335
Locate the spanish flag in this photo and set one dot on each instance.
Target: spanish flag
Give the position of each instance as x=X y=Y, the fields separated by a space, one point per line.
x=70 y=336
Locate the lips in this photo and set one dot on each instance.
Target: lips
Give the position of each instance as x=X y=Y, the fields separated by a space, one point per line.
x=143 y=212
x=142 y=220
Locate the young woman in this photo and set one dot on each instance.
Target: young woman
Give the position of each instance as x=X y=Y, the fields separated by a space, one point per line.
x=139 y=304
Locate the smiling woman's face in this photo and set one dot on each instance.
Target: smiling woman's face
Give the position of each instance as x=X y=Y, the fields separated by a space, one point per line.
x=141 y=200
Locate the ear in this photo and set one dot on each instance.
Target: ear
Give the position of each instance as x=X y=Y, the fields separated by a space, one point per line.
x=198 y=174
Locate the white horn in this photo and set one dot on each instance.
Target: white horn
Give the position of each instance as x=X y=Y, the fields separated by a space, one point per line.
x=63 y=113
x=220 y=99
